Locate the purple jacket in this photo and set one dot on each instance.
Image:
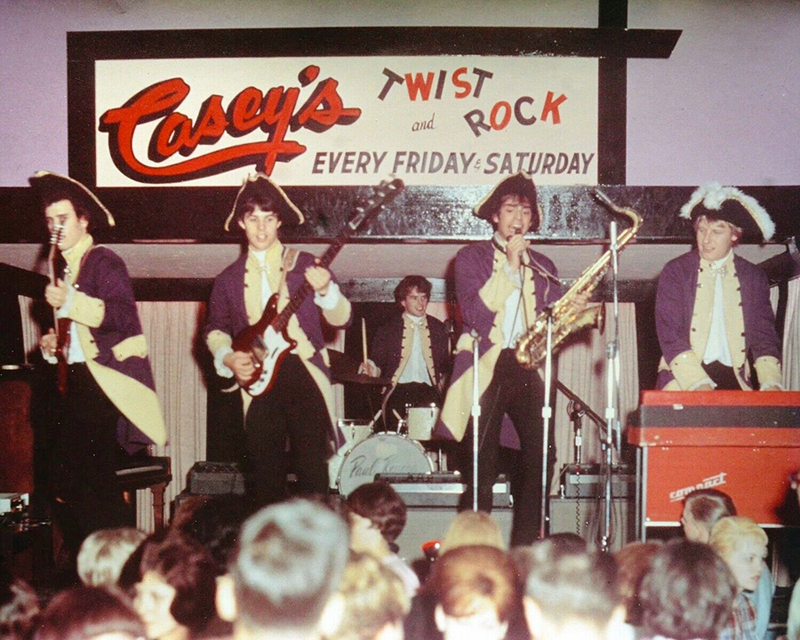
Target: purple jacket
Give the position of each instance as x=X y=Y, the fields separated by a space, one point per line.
x=474 y=265
x=226 y=308
x=103 y=275
x=675 y=301
x=387 y=346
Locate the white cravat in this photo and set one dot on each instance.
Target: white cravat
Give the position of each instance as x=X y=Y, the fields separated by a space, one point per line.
x=416 y=369
x=266 y=292
x=717 y=345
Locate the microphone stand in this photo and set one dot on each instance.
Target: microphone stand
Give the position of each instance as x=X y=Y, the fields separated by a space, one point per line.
x=613 y=431
x=476 y=412
x=547 y=413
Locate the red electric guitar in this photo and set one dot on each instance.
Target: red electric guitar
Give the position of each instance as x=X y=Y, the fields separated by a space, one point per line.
x=61 y=324
x=267 y=341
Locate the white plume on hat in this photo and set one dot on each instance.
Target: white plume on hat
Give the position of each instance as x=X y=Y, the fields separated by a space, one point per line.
x=713 y=195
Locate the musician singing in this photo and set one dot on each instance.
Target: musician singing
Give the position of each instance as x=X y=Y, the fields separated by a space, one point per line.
x=501 y=284
x=298 y=408
x=713 y=313
x=109 y=400
x=412 y=349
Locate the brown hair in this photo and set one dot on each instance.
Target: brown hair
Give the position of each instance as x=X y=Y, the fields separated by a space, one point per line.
x=707 y=506
x=467 y=574
x=381 y=505
x=633 y=562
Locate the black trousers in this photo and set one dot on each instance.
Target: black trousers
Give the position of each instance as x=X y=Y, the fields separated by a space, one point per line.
x=519 y=393
x=722 y=375
x=412 y=394
x=286 y=428
x=88 y=496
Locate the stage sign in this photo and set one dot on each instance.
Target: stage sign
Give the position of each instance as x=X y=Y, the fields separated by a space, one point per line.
x=346 y=120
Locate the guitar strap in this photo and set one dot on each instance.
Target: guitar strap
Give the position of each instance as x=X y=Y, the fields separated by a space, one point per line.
x=289 y=259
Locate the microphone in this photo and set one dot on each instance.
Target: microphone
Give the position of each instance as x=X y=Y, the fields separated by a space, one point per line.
x=517 y=232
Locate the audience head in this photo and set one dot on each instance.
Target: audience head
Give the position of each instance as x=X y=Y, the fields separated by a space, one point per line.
x=379 y=503
x=375 y=601
x=633 y=562
x=570 y=594
x=470 y=528
x=687 y=593
x=19 y=609
x=104 y=553
x=215 y=524
x=89 y=613
x=743 y=546
x=177 y=588
x=475 y=589
x=289 y=565
x=702 y=509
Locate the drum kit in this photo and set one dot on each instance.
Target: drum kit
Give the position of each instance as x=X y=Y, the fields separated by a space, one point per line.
x=367 y=452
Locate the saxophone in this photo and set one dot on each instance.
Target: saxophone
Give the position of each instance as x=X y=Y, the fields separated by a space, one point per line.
x=532 y=347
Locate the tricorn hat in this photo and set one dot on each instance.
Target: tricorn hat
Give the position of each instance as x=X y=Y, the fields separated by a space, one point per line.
x=731 y=205
x=53 y=187
x=259 y=186
x=520 y=184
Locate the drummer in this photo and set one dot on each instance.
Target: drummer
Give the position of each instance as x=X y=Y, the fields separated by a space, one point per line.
x=413 y=349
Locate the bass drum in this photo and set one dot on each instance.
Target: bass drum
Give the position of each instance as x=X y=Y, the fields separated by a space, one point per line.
x=381 y=453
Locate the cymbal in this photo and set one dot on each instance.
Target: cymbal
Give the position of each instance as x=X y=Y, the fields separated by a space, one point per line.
x=345 y=369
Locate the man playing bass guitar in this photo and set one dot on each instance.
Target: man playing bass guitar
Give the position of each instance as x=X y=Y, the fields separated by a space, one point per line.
x=297 y=405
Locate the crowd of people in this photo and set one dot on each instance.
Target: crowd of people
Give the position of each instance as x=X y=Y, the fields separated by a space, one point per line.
x=329 y=570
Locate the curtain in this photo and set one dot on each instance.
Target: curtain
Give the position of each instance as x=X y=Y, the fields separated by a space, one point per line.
x=172 y=330
x=791 y=338
x=582 y=368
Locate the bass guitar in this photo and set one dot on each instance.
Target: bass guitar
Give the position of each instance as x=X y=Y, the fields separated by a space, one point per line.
x=267 y=341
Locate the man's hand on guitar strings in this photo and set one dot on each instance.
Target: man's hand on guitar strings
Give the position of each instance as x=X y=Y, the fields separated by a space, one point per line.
x=49 y=342
x=241 y=364
x=56 y=295
x=319 y=278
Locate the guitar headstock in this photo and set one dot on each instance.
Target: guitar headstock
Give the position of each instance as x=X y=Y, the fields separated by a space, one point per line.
x=382 y=195
x=57 y=232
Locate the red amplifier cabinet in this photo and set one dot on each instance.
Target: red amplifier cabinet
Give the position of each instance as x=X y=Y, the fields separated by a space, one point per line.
x=744 y=443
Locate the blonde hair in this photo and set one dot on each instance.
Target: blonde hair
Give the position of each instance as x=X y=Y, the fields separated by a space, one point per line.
x=735 y=230
x=104 y=553
x=728 y=532
x=472 y=528
x=374 y=596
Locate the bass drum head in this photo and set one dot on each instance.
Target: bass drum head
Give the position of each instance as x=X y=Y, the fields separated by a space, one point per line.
x=381 y=453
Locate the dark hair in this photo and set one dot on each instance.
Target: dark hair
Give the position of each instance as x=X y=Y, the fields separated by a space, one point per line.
x=465 y=574
x=381 y=504
x=290 y=561
x=408 y=284
x=49 y=197
x=707 y=506
x=85 y=612
x=19 y=608
x=569 y=584
x=688 y=592
x=215 y=525
x=260 y=195
x=191 y=571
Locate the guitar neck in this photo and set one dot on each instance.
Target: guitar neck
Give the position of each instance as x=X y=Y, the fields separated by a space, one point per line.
x=282 y=319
